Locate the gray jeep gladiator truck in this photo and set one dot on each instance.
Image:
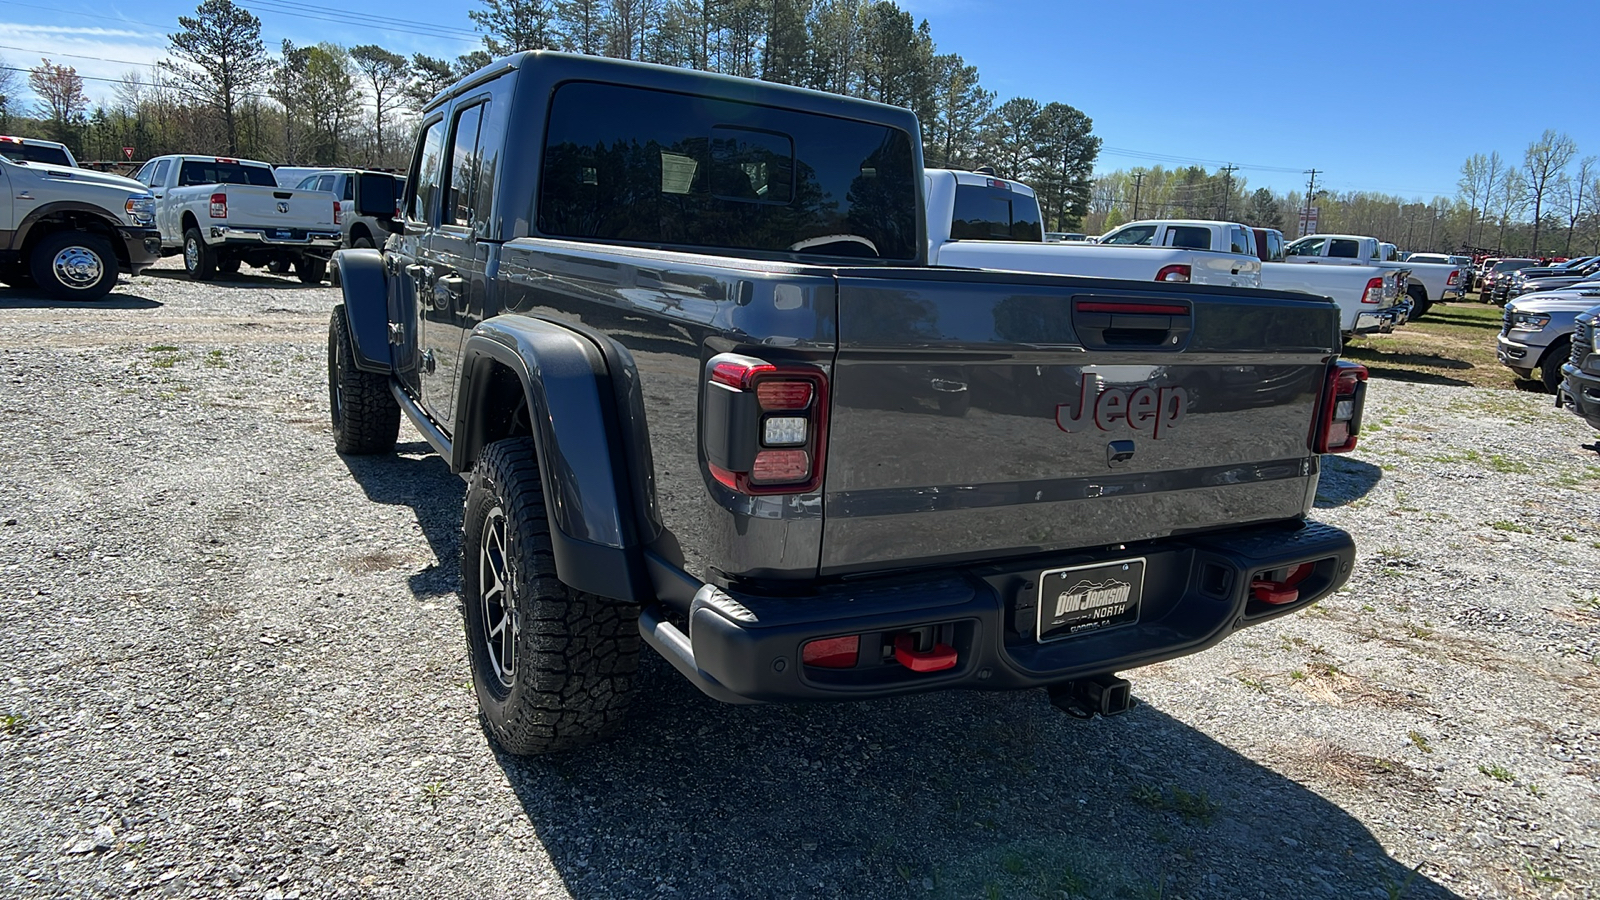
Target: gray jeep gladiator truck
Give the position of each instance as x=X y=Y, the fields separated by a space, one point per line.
x=679 y=334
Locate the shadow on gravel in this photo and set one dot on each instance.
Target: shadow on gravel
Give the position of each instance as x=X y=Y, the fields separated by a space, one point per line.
x=1344 y=480
x=29 y=298
x=416 y=477
x=958 y=795
x=237 y=280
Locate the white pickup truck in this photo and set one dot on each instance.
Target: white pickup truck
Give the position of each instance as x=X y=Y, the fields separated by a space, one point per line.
x=221 y=212
x=1427 y=283
x=978 y=221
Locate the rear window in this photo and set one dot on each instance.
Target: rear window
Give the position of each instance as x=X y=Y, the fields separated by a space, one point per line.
x=34 y=153
x=1507 y=265
x=1343 y=249
x=666 y=168
x=217 y=172
x=994 y=214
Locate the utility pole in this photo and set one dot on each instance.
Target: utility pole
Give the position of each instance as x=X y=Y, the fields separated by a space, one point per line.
x=1227 y=189
x=1311 y=190
x=1138 y=182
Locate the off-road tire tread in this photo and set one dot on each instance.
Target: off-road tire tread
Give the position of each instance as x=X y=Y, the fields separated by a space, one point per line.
x=368 y=421
x=577 y=653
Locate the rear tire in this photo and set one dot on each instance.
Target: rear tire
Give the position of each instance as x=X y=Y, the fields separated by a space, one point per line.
x=310 y=271
x=362 y=243
x=74 y=265
x=553 y=667
x=1420 y=304
x=199 y=260
x=365 y=416
x=1550 y=368
x=228 y=265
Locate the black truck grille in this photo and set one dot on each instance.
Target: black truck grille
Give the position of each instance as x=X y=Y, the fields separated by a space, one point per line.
x=1582 y=338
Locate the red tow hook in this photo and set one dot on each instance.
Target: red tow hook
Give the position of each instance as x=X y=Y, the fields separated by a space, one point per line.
x=1280 y=592
x=942 y=656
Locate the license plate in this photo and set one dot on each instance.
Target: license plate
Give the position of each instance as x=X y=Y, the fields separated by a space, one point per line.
x=282 y=234
x=1080 y=599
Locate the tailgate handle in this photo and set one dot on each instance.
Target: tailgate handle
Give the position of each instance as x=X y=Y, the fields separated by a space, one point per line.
x=282 y=195
x=1108 y=324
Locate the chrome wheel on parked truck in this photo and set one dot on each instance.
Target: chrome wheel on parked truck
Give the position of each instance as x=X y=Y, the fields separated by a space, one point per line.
x=553 y=667
x=74 y=265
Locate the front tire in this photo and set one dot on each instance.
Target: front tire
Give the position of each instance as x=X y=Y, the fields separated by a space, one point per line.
x=553 y=667
x=365 y=416
x=74 y=265
x=199 y=260
x=1550 y=368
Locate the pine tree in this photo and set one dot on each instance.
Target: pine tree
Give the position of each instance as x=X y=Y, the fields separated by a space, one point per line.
x=513 y=25
x=386 y=72
x=1065 y=151
x=222 y=59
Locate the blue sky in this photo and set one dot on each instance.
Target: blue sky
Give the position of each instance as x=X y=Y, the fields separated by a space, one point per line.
x=1383 y=98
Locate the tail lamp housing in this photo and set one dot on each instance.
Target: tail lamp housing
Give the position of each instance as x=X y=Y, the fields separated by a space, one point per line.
x=1374 y=292
x=1175 y=273
x=1339 y=414
x=338 y=213
x=1455 y=277
x=763 y=426
x=219 y=205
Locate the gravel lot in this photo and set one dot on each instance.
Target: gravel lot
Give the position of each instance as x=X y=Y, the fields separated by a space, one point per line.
x=234 y=667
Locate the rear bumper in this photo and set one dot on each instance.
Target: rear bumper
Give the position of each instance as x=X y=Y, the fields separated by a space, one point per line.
x=1383 y=321
x=143 y=245
x=746 y=648
x=275 y=238
x=1579 y=393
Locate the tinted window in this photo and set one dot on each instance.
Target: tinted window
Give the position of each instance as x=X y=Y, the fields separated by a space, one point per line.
x=425 y=172
x=460 y=188
x=675 y=169
x=349 y=188
x=214 y=172
x=994 y=214
x=1344 y=249
x=1508 y=265
x=1189 y=237
x=143 y=175
x=162 y=168
x=35 y=153
x=1143 y=235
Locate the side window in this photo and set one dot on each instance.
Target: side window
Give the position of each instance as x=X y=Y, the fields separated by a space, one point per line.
x=308 y=183
x=142 y=176
x=1189 y=237
x=324 y=182
x=1343 y=249
x=1141 y=235
x=1311 y=247
x=1241 y=244
x=159 y=176
x=425 y=173
x=349 y=186
x=460 y=199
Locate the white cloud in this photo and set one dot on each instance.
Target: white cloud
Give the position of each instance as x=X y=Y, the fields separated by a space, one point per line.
x=96 y=53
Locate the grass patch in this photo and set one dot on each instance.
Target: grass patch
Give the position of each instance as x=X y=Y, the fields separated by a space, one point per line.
x=1452 y=344
x=1421 y=741
x=161 y=348
x=1497 y=772
x=1504 y=525
x=13 y=723
x=1194 y=807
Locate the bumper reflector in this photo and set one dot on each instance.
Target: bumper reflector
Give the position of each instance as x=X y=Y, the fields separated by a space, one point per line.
x=832 y=653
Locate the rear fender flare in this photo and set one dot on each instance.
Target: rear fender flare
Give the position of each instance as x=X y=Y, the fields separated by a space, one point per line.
x=366 y=305
x=564 y=382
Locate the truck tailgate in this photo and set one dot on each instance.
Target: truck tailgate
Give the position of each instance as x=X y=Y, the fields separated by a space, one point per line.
x=982 y=414
x=257 y=206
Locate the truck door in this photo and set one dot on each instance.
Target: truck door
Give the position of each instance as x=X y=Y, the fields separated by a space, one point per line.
x=154 y=175
x=405 y=261
x=451 y=263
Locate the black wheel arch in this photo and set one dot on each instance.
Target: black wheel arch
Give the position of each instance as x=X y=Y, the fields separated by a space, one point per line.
x=70 y=215
x=366 y=303
x=581 y=405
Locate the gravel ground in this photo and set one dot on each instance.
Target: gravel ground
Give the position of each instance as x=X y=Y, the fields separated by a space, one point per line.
x=234 y=667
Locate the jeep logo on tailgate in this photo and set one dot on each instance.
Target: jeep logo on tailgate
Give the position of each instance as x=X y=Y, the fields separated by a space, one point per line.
x=1143 y=409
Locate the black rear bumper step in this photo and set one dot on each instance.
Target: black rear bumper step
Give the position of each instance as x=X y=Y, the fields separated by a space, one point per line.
x=743 y=648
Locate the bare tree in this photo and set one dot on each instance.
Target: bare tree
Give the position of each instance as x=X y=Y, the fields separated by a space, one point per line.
x=10 y=87
x=1546 y=163
x=387 y=72
x=61 y=97
x=1586 y=172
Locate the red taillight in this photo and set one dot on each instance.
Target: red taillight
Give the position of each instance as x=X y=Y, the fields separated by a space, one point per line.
x=1339 y=415
x=763 y=427
x=219 y=205
x=1175 y=273
x=1455 y=276
x=1374 y=291
x=338 y=213
x=832 y=653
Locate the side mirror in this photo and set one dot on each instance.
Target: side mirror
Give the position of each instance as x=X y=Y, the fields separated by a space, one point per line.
x=375 y=195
